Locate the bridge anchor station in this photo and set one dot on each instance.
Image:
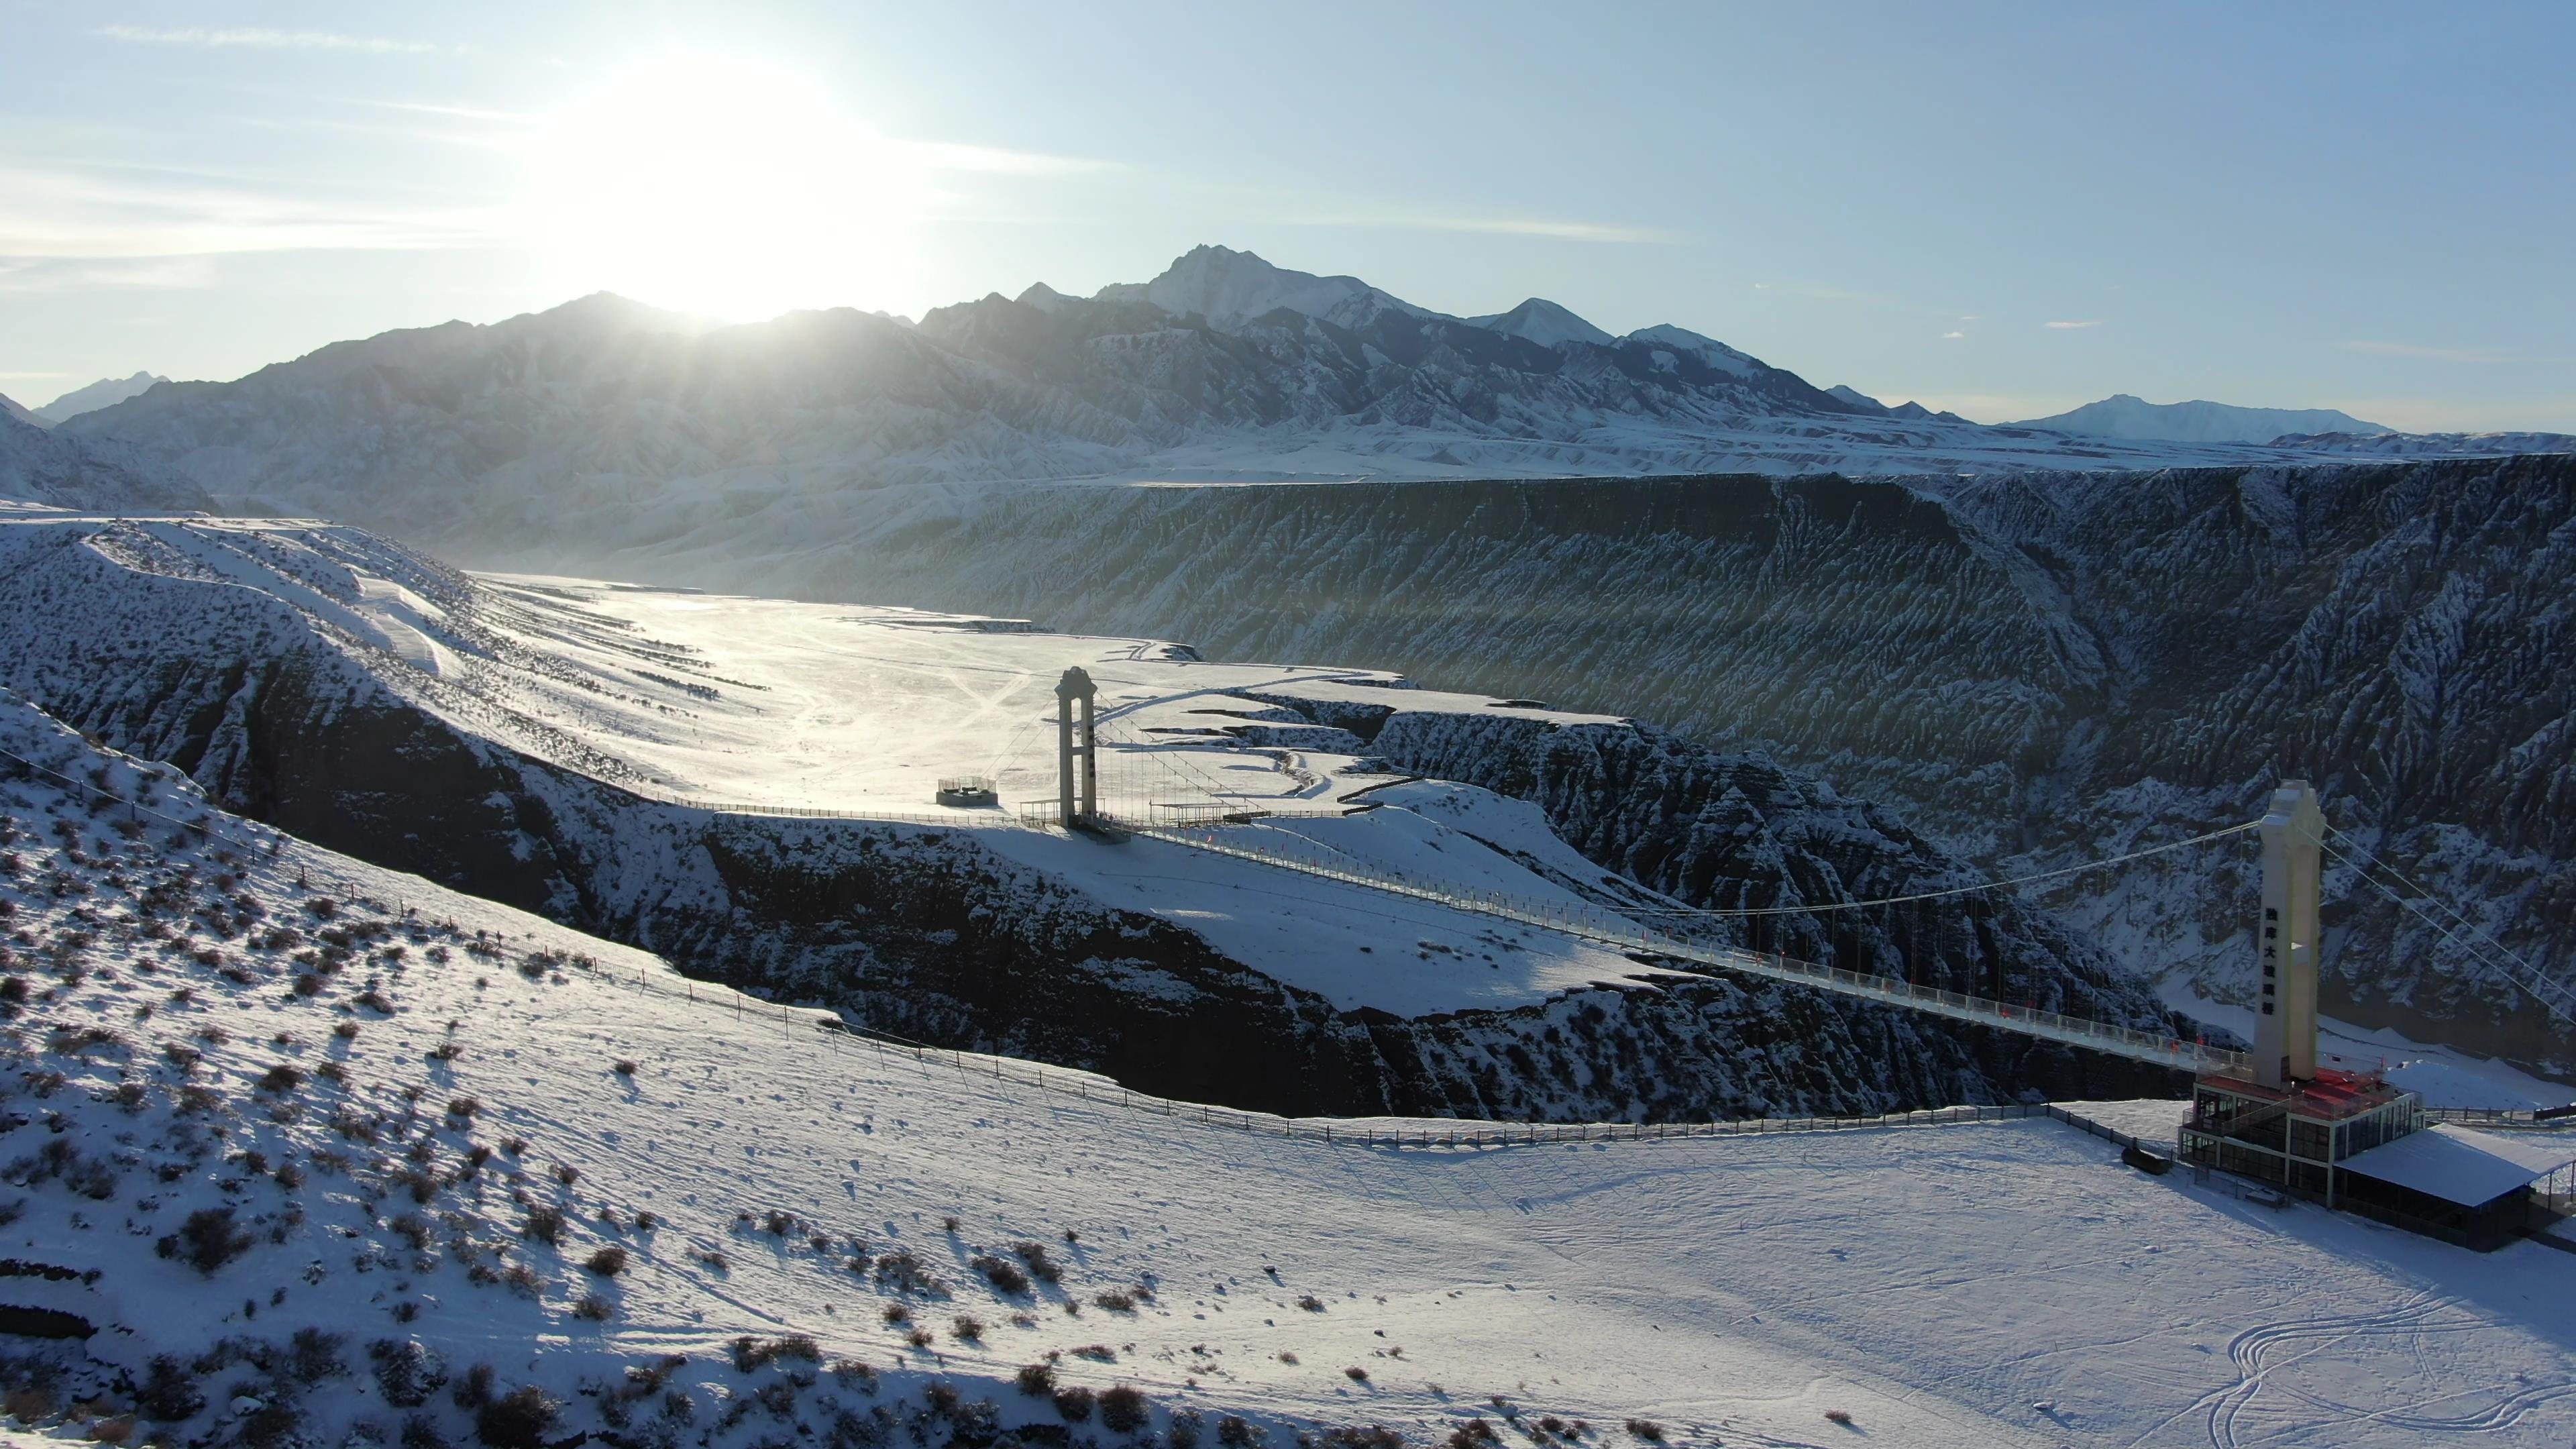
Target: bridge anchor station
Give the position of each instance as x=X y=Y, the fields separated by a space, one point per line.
x=2350 y=1140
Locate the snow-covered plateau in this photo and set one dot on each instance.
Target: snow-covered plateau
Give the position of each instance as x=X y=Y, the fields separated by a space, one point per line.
x=672 y=769
x=301 y=1151
x=2036 y=669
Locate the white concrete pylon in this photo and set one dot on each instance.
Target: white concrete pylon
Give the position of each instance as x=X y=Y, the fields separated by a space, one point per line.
x=2287 y=938
x=1078 y=793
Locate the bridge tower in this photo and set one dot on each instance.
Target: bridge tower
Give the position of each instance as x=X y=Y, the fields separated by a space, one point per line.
x=1079 y=795
x=2287 y=939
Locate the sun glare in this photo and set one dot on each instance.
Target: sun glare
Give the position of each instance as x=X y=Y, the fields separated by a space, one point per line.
x=723 y=187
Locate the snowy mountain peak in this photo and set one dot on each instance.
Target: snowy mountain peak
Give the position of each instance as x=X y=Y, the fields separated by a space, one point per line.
x=2124 y=416
x=105 y=392
x=1230 y=288
x=10 y=409
x=1707 y=349
x=1043 y=297
x=1545 y=323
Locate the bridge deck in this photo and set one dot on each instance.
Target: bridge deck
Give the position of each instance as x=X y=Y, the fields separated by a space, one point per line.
x=1610 y=928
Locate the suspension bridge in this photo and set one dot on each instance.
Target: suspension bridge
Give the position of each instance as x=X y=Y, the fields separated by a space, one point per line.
x=1203 y=819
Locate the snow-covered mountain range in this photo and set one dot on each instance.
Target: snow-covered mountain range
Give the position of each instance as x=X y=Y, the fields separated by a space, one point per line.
x=2123 y=416
x=99 y=394
x=606 y=423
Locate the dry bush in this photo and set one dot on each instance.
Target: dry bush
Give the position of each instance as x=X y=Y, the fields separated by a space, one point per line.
x=1002 y=1273
x=594 y=1308
x=1041 y=1267
x=1123 y=1409
x=284 y=1077
x=968 y=1327
x=1036 y=1380
x=1647 y=1429
x=608 y=1262
x=545 y=1224
x=1116 y=1300
x=1074 y=1403
x=520 y=1419
x=207 y=1240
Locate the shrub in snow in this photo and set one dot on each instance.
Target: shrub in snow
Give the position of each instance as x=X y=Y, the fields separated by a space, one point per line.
x=1646 y=1429
x=1357 y=1374
x=1235 y=1431
x=407 y=1371
x=519 y=1419
x=594 y=1308
x=1074 y=1403
x=1041 y=1267
x=1123 y=1409
x=751 y=1353
x=1183 y=1431
x=849 y=1373
x=608 y=1262
x=1037 y=1379
x=1839 y=1416
x=1310 y=1302
x=313 y=1355
x=168 y=1392
x=1116 y=1300
x=624 y=1067
x=545 y=1224
x=284 y=1077
x=904 y=1273
x=1002 y=1273
x=207 y=1240
x=968 y=1327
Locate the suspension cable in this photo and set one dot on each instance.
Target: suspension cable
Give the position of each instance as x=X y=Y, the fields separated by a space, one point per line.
x=1967 y=890
x=2550 y=994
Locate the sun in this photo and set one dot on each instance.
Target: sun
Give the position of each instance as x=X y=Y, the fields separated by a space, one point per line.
x=725 y=187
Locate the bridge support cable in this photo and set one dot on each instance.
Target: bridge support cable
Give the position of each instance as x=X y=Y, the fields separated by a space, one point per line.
x=1587 y=922
x=2464 y=934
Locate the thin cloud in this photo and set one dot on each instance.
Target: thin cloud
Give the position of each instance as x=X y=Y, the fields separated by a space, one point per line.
x=2440 y=354
x=999 y=161
x=74 y=218
x=2072 y=326
x=1399 y=220
x=252 y=38
x=1946 y=336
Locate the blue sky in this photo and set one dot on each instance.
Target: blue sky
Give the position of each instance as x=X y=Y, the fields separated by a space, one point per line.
x=2006 y=210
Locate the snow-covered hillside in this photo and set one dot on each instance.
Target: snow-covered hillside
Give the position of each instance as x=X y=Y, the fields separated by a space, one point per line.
x=313 y=1153
x=606 y=426
x=44 y=465
x=671 y=768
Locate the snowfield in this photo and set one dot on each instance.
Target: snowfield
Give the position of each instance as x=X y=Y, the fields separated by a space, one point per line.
x=394 y=1124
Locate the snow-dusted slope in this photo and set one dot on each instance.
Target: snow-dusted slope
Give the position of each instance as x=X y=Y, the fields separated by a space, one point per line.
x=2433 y=445
x=99 y=394
x=45 y=465
x=412 y=1153
x=2124 y=416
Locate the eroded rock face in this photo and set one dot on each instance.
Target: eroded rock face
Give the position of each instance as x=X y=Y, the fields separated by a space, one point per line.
x=285 y=715
x=2036 y=669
